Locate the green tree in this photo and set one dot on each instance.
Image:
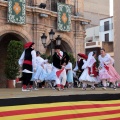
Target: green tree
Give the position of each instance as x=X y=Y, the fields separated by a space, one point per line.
x=14 y=51
x=44 y=56
x=72 y=59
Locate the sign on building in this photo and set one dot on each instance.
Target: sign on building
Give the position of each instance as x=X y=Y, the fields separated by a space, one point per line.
x=64 y=17
x=16 y=11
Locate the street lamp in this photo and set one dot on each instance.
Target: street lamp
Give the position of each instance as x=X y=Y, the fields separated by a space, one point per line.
x=43 y=39
x=51 y=34
x=58 y=40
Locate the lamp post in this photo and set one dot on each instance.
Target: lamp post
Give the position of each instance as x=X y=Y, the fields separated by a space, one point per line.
x=58 y=40
x=43 y=39
x=51 y=34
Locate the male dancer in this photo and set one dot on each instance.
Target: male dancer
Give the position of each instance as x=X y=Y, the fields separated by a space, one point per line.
x=79 y=64
x=60 y=59
x=28 y=63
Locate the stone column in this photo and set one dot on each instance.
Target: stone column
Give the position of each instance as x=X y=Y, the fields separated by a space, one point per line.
x=80 y=7
x=79 y=38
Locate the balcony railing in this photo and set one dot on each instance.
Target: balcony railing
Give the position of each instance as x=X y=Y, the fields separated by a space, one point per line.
x=93 y=44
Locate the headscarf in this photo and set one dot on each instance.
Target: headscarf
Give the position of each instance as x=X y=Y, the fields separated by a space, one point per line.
x=90 y=61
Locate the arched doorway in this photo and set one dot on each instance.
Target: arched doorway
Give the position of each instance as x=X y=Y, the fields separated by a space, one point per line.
x=64 y=47
x=4 y=41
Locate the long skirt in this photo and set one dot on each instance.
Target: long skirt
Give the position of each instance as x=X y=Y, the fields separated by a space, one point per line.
x=113 y=73
x=70 y=76
x=36 y=74
x=86 y=77
x=103 y=74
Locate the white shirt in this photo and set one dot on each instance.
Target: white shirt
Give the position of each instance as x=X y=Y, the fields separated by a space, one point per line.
x=69 y=66
x=21 y=60
x=105 y=60
x=39 y=60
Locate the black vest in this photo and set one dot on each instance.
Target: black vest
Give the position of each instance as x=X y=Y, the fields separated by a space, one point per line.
x=57 y=62
x=80 y=64
x=28 y=55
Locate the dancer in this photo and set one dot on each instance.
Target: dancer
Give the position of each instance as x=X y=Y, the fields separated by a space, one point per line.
x=38 y=76
x=78 y=68
x=27 y=62
x=79 y=63
x=69 y=72
x=60 y=59
x=88 y=77
x=106 y=70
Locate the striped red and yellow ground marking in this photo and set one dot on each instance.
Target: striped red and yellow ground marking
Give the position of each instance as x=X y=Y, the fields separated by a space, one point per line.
x=83 y=110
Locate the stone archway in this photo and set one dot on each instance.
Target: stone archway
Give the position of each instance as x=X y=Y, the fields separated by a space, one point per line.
x=4 y=41
x=17 y=30
x=10 y=32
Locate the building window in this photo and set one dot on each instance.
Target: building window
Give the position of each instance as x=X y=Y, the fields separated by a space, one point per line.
x=54 y=4
x=107 y=37
x=29 y=2
x=106 y=26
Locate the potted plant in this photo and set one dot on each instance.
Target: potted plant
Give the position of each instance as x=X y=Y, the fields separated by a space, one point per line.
x=14 y=51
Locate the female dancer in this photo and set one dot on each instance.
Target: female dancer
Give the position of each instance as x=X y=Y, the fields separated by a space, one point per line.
x=89 y=74
x=106 y=70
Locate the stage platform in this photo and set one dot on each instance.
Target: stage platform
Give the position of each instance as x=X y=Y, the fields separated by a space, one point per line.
x=47 y=95
x=17 y=93
x=69 y=104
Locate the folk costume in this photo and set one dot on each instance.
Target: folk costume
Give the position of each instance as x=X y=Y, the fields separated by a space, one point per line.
x=59 y=73
x=28 y=63
x=69 y=72
x=80 y=63
x=107 y=71
x=89 y=75
x=38 y=75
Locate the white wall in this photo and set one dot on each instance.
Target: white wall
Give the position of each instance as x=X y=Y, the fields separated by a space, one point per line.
x=102 y=32
x=92 y=32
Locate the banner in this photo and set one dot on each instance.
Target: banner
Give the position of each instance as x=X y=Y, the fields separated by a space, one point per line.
x=16 y=11
x=64 y=17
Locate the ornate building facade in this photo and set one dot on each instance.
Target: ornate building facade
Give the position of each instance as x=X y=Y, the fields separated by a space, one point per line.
x=36 y=25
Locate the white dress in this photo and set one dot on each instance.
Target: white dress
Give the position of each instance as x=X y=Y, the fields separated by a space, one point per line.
x=39 y=71
x=85 y=75
x=45 y=72
x=103 y=73
x=68 y=67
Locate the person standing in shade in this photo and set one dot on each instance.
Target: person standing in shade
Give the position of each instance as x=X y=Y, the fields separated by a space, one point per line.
x=27 y=62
